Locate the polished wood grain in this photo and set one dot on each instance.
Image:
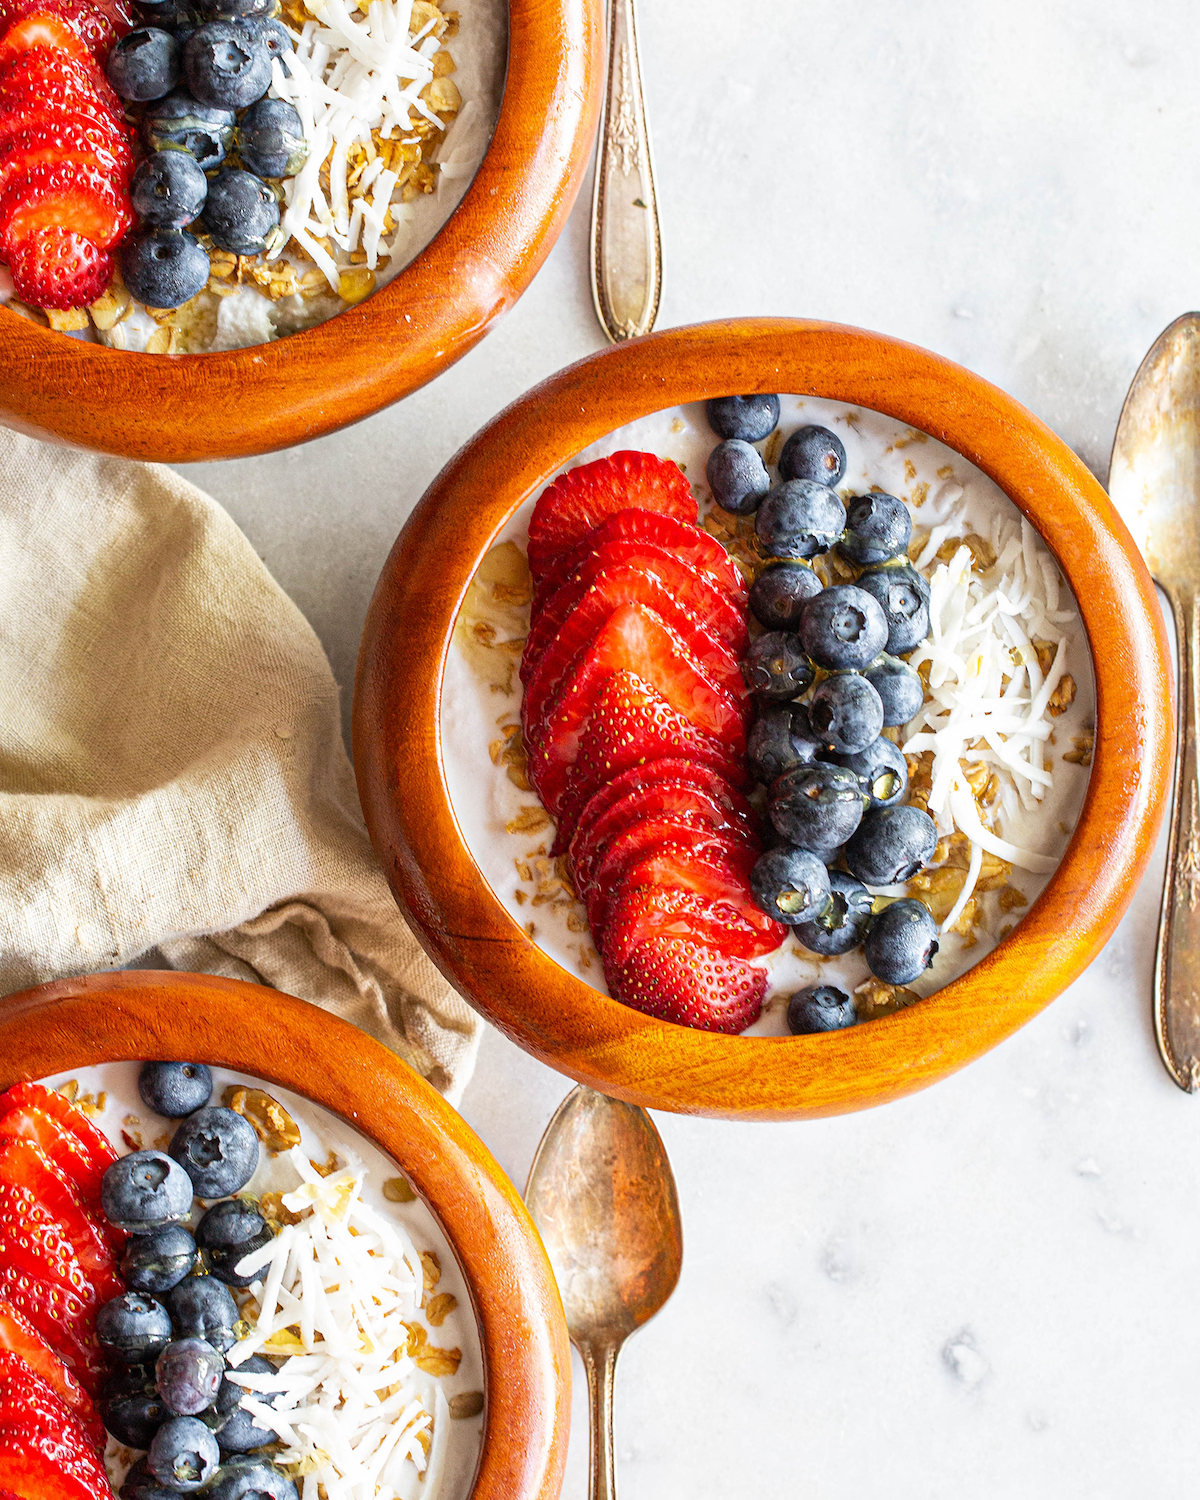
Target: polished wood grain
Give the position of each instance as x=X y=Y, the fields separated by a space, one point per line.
x=206 y=406
x=553 y=1013
x=110 y=1017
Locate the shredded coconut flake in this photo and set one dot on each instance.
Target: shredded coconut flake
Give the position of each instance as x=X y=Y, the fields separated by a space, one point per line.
x=988 y=696
x=339 y=1291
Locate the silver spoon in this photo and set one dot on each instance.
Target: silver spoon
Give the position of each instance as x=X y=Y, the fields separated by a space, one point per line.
x=1155 y=475
x=626 y=245
x=602 y=1195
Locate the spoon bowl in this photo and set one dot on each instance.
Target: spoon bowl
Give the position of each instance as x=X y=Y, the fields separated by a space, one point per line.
x=1154 y=480
x=602 y=1195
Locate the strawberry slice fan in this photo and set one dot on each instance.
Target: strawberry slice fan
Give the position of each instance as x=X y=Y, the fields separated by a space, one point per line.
x=58 y=1263
x=635 y=716
x=65 y=149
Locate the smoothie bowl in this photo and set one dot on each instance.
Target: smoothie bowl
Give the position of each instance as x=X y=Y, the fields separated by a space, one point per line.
x=324 y=204
x=283 y=1267
x=792 y=722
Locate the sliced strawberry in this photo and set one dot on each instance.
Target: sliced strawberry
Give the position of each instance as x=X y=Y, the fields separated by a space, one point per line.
x=595 y=606
x=42 y=28
x=51 y=1102
x=63 y=197
x=62 y=1319
x=628 y=849
x=87 y=145
x=37 y=101
x=97 y=25
x=31 y=1241
x=670 y=768
x=631 y=725
x=19 y=1337
x=639 y=913
x=721 y=879
x=42 y=118
x=680 y=539
x=579 y=500
x=675 y=802
x=35 y=72
x=44 y=1452
x=62 y=1146
x=690 y=984
x=691 y=589
x=25 y=1165
x=638 y=640
x=59 y=268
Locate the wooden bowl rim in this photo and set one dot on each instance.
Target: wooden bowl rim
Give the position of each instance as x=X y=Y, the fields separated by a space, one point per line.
x=556 y=1015
x=139 y=1015
x=279 y=394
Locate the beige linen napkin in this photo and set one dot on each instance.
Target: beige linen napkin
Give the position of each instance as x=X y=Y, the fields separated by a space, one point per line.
x=172 y=772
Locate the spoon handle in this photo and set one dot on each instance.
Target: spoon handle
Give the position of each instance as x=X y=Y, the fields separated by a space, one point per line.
x=601 y=1365
x=626 y=246
x=1177 y=964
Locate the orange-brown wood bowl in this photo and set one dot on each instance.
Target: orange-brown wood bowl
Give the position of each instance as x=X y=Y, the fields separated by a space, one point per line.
x=180 y=408
x=76 y=1023
x=554 y=1014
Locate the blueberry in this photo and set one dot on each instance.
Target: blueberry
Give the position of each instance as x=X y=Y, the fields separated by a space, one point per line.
x=799 y=518
x=878 y=528
x=228 y=1232
x=779 y=740
x=241 y=212
x=146 y=1190
x=843 y=628
x=184 y=1454
x=235 y=10
x=900 y=690
x=144 y=64
x=882 y=772
x=188 y=1376
x=133 y=1328
x=202 y=1307
x=737 y=476
x=251 y=1479
x=175 y=16
x=236 y=1430
x=130 y=1406
x=168 y=190
x=790 y=884
x=278 y=41
x=750 y=418
x=892 y=844
x=226 y=65
x=140 y=1484
x=175 y=1089
x=776 y=666
x=903 y=595
x=158 y=1260
x=183 y=123
x=901 y=943
x=780 y=592
x=164 y=267
x=813 y=453
x=845 y=713
x=843 y=924
x=817 y=806
x=219 y=1150
x=271 y=139
x=820 y=1007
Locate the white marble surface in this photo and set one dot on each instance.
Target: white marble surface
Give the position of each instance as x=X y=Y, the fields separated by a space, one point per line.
x=988 y=1290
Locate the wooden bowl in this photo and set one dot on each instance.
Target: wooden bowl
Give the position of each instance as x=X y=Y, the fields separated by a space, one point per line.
x=557 y=1016
x=176 y=409
x=75 y=1023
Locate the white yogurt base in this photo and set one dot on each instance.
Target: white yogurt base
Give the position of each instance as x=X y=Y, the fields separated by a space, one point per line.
x=321 y=1132
x=879 y=451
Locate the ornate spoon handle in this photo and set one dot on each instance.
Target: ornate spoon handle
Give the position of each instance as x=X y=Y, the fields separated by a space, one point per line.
x=1177 y=965
x=626 y=247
